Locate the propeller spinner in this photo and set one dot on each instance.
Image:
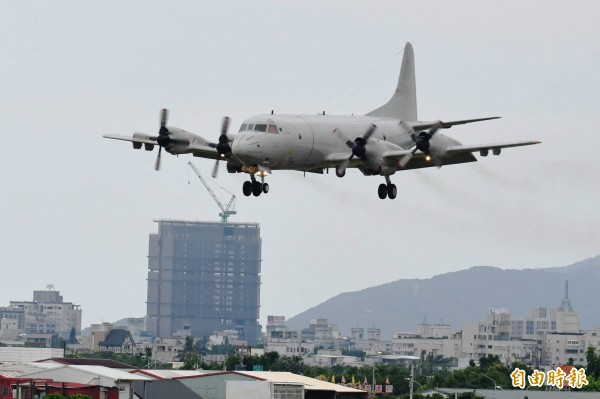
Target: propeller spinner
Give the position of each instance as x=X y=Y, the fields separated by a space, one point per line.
x=163 y=139
x=358 y=147
x=422 y=144
x=223 y=148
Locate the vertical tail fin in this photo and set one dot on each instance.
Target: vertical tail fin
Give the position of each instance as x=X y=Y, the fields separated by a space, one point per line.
x=403 y=104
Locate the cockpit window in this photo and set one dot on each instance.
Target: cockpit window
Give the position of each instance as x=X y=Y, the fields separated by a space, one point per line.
x=250 y=127
x=260 y=128
x=272 y=129
x=243 y=127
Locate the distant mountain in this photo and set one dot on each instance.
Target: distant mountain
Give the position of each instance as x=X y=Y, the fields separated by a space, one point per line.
x=462 y=296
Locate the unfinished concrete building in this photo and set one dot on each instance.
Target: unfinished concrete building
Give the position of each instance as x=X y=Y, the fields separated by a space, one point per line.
x=204 y=277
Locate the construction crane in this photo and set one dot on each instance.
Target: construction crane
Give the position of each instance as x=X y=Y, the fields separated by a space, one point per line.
x=225 y=210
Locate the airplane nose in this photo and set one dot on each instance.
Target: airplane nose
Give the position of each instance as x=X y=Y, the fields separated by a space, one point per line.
x=248 y=149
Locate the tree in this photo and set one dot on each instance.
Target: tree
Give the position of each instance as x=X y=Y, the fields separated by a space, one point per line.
x=191 y=361
x=73 y=336
x=188 y=347
x=593 y=362
x=201 y=346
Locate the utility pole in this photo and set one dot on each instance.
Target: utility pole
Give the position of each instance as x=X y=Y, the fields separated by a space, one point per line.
x=410 y=384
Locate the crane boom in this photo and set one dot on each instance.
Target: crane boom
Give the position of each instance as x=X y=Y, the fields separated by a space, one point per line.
x=225 y=210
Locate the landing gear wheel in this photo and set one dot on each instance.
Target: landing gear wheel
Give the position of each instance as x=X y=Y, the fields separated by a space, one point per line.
x=256 y=188
x=247 y=188
x=392 y=191
x=265 y=188
x=382 y=191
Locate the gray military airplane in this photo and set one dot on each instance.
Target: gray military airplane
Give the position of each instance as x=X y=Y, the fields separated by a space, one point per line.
x=380 y=143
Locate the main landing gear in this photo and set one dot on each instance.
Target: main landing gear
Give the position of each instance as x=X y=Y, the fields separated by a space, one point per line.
x=254 y=187
x=388 y=190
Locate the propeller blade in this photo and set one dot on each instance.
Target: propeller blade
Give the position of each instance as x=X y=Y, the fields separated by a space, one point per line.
x=215 y=170
x=406 y=159
x=224 y=126
x=164 y=115
x=342 y=168
x=339 y=134
x=369 y=132
x=157 y=163
x=434 y=129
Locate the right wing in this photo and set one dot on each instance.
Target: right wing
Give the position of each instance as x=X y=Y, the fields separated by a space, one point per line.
x=203 y=151
x=137 y=138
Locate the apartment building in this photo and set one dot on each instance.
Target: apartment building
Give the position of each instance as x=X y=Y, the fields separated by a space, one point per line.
x=49 y=314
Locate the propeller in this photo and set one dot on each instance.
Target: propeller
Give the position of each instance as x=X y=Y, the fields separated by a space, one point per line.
x=358 y=147
x=163 y=139
x=421 y=143
x=223 y=148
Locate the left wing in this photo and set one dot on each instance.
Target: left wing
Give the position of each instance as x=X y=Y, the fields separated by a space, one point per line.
x=453 y=155
x=486 y=147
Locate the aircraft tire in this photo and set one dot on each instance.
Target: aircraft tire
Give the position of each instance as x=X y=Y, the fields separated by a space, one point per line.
x=256 y=188
x=265 y=188
x=392 y=191
x=382 y=191
x=247 y=188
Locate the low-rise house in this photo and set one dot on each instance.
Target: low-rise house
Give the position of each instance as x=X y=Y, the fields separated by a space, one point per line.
x=118 y=341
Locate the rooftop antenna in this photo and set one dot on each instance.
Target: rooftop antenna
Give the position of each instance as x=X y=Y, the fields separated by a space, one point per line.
x=50 y=287
x=227 y=210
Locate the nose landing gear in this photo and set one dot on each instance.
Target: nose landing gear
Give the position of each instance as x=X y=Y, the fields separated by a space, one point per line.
x=255 y=187
x=388 y=190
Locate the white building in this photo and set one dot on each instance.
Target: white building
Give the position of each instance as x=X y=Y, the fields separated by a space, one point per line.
x=413 y=344
x=370 y=343
x=49 y=314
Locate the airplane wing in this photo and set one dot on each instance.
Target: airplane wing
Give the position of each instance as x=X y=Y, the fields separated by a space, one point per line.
x=483 y=147
x=453 y=155
x=204 y=151
x=336 y=159
x=447 y=125
x=199 y=147
x=137 y=138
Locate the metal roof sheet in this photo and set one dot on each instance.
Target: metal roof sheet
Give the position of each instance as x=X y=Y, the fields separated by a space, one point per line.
x=308 y=382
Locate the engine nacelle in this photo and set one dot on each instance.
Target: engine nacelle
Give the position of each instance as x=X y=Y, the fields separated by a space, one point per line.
x=484 y=153
x=496 y=151
x=136 y=146
x=148 y=147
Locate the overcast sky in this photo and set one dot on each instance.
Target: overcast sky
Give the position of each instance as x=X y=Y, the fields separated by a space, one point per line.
x=77 y=209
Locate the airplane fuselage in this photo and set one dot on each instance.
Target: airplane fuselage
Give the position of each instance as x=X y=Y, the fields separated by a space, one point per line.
x=306 y=142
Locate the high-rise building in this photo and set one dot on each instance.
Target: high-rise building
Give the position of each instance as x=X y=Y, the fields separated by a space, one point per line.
x=204 y=277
